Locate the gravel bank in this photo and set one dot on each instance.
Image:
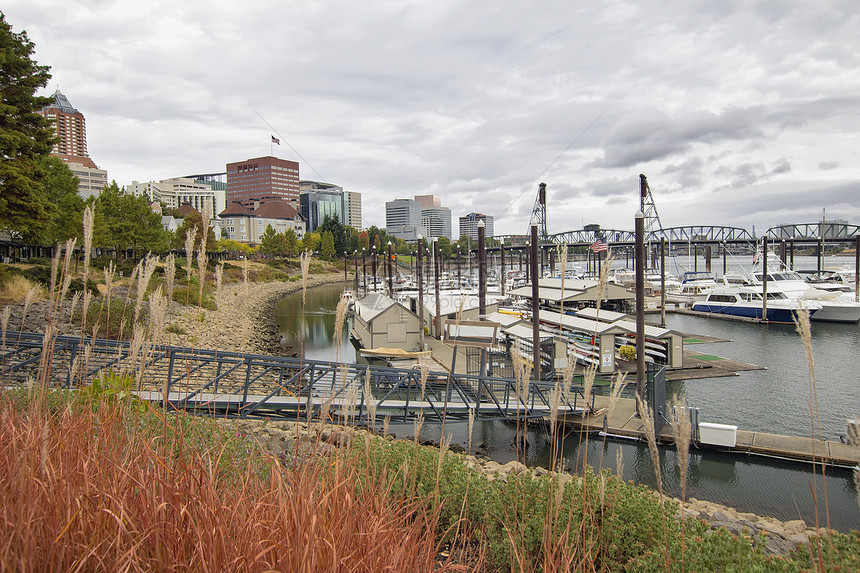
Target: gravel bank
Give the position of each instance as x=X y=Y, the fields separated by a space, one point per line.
x=244 y=321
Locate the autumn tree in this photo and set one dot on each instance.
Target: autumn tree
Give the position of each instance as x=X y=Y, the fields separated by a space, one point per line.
x=193 y=220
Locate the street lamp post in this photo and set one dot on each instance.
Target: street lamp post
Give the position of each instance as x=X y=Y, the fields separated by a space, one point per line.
x=390 y=275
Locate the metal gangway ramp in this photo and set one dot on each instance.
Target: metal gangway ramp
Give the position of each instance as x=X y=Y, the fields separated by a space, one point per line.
x=224 y=383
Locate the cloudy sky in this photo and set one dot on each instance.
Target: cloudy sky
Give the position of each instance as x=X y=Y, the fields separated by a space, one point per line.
x=740 y=113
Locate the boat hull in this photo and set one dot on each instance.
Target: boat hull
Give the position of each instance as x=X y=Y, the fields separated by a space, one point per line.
x=773 y=314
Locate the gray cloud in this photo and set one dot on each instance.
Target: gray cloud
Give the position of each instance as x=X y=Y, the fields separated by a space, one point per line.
x=477 y=103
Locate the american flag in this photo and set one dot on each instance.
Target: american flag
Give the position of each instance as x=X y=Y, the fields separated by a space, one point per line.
x=275 y=140
x=598 y=246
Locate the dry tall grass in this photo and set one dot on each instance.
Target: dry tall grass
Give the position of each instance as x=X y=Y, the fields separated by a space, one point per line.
x=90 y=489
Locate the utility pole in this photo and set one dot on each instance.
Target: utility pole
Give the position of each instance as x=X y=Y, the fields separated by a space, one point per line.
x=535 y=274
x=482 y=271
x=640 y=305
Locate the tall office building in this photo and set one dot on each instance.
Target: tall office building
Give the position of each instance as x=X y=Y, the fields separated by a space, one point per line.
x=353 y=207
x=437 y=221
x=320 y=200
x=263 y=178
x=469 y=225
x=429 y=201
x=403 y=219
x=70 y=127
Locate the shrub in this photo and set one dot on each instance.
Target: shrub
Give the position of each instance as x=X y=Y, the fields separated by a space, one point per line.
x=77 y=285
x=627 y=352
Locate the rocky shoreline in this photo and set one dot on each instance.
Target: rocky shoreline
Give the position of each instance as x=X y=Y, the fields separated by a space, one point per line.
x=243 y=322
x=288 y=439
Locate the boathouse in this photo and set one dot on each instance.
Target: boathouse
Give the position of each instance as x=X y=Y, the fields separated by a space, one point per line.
x=381 y=321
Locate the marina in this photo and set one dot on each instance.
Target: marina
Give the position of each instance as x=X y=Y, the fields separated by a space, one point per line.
x=746 y=374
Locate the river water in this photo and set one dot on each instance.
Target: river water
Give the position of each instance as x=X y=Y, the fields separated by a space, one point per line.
x=774 y=400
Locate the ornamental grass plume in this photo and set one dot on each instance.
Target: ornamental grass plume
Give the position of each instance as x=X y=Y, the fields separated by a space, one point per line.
x=682 y=431
x=147 y=267
x=189 y=252
x=854 y=440
x=89 y=225
x=339 y=319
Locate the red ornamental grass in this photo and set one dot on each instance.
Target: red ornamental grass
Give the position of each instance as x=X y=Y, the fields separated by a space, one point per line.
x=80 y=491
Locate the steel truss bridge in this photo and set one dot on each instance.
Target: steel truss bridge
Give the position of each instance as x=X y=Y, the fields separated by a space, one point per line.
x=236 y=384
x=698 y=234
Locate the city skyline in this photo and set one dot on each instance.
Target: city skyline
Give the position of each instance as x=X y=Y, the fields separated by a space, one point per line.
x=740 y=114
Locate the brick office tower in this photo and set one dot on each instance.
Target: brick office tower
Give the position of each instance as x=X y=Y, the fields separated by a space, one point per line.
x=263 y=178
x=70 y=127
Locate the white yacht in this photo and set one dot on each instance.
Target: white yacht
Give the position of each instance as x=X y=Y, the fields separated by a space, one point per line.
x=836 y=306
x=746 y=301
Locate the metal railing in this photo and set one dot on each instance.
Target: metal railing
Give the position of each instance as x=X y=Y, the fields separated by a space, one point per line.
x=240 y=384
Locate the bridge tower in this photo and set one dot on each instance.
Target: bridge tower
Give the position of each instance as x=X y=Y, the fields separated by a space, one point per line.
x=539 y=213
x=649 y=209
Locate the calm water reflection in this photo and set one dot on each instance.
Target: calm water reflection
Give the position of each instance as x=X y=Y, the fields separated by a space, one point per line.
x=313 y=330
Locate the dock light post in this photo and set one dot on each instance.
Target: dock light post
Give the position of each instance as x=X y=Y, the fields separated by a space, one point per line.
x=502 y=249
x=420 y=291
x=640 y=305
x=345 y=266
x=482 y=269
x=364 y=269
x=436 y=266
x=390 y=275
x=459 y=278
x=355 y=259
x=373 y=265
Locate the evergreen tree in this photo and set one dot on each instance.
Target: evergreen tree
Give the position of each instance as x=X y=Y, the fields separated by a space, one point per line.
x=271 y=241
x=124 y=222
x=25 y=136
x=327 y=249
x=291 y=243
x=60 y=187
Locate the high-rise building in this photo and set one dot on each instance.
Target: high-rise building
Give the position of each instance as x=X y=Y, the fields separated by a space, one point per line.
x=429 y=201
x=353 y=207
x=469 y=225
x=403 y=219
x=263 y=178
x=437 y=221
x=71 y=131
x=70 y=128
x=320 y=200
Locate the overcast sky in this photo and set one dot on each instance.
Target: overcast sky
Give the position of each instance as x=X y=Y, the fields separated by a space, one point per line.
x=740 y=113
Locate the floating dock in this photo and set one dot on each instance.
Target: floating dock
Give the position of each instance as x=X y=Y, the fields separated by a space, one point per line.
x=624 y=423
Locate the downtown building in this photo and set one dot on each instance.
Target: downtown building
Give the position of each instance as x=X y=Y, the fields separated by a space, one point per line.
x=263 y=178
x=469 y=225
x=70 y=128
x=403 y=219
x=178 y=191
x=435 y=218
x=247 y=223
x=319 y=200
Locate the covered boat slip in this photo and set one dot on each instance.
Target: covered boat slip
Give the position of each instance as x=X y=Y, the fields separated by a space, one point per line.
x=577 y=292
x=597 y=341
